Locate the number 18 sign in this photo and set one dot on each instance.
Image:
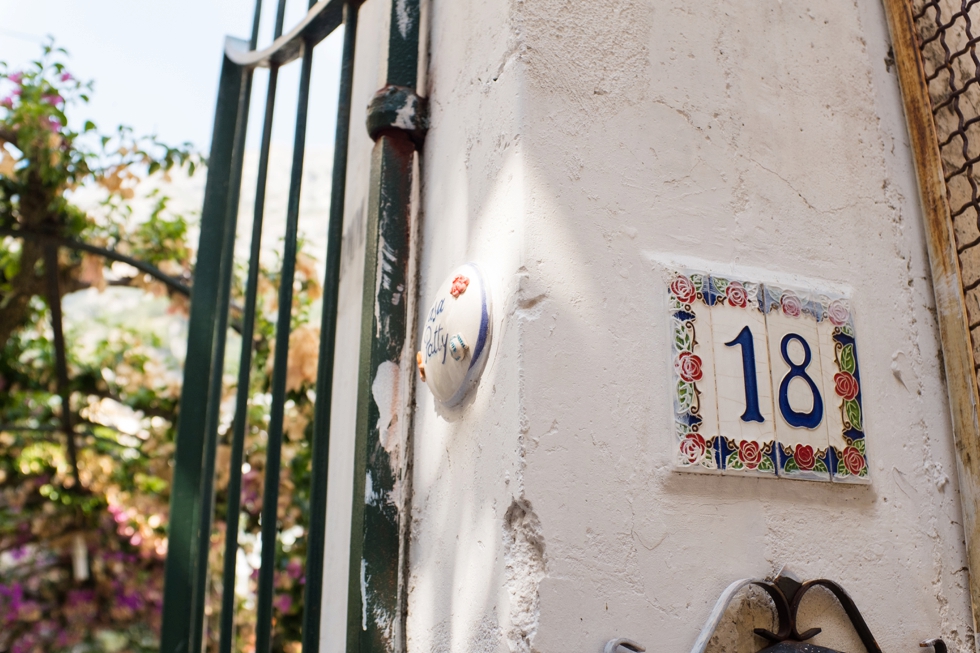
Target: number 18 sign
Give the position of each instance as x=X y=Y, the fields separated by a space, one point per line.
x=765 y=380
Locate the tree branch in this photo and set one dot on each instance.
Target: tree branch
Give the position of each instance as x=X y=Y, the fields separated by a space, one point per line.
x=113 y=255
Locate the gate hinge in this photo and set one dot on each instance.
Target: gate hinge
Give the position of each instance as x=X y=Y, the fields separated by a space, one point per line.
x=398 y=108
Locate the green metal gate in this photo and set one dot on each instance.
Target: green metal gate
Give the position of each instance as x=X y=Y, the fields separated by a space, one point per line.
x=396 y=122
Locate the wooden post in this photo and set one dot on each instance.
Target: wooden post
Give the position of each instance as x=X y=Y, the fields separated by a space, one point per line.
x=954 y=330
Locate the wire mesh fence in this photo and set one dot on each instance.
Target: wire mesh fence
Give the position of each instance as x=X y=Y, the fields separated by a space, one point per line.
x=948 y=32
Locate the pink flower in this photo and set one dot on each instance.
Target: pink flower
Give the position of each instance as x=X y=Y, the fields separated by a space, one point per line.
x=53 y=98
x=294 y=569
x=460 y=283
x=66 y=77
x=16 y=78
x=283 y=602
x=838 y=313
x=791 y=304
x=7 y=102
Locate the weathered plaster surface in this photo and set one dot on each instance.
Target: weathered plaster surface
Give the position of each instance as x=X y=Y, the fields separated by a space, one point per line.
x=575 y=148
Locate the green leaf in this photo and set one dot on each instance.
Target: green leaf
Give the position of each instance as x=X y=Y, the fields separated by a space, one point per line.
x=820 y=467
x=847 y=362
x=791 y=465
x=89 y=126
x=685 y=395
x=853 y=411
x=766 y=464
x=733 y=462
x=859 y=445
x=682 y=337
x=698 y=281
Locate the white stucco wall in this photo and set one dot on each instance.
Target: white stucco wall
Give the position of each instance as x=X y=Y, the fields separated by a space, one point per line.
x=576 y=148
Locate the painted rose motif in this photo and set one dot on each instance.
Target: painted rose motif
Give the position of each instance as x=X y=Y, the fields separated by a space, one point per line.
x=683 y=289
x=460 y=284
x=735 y=292
x=693 y=448
x=791 y=304
x=805 y=459
x=853 y=460
x=845 y=385
x=688 y=366
x=838 y=313
x=750 y=453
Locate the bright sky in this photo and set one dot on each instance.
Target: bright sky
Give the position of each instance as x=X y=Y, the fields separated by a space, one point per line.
x=156 y=63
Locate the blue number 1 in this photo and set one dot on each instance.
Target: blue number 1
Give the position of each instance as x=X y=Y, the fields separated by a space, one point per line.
x=745 y=341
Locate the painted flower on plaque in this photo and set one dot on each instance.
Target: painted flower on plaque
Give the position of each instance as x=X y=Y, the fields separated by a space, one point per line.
x=688 y=366
x=791 y=304
x=693 y=447
x=805 y=458
x=853 y=460
x=736 y=295
x=837 y=313
x=750 y=453
x=683 y=289
x=846 y=386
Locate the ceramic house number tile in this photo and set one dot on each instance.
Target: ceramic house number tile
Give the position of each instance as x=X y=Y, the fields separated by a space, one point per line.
x=766 y=381
x=746 y=432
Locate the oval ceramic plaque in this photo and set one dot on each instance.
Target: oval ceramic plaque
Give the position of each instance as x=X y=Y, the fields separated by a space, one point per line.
x=456 y=335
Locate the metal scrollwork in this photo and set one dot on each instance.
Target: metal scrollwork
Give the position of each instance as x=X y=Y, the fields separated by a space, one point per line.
x=786 y=594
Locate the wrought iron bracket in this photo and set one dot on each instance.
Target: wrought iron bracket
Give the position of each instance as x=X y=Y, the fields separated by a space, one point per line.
x=401 y=109
x=786 y=593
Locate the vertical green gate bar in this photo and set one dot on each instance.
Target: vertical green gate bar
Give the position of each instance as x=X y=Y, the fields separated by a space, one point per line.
x=270 y=495
x=316 y=538
x=186 y=500
x=227 y=636
x=375 y=604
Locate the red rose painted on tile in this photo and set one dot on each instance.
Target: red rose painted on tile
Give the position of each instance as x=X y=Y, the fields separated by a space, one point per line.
x=804 y=456
x=688 y=366
x=735 y=292
x=750 y=453
x=693 y=448
x=845 y=385
x=791 y=304
x=853 y=460
x=683 y=289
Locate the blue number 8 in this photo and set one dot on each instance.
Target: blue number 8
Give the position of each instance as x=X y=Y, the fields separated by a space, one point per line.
x=799 y=420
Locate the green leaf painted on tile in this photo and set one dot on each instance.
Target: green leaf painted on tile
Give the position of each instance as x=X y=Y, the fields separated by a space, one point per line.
x=847 y=362
x=859 y=445
x=853 y=411
x=682 y=337
x=685 y=396
x=733 y=462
